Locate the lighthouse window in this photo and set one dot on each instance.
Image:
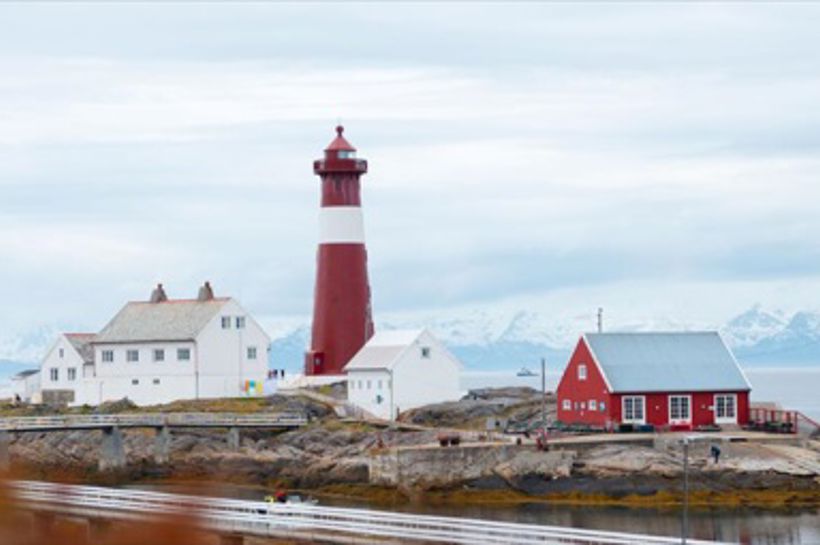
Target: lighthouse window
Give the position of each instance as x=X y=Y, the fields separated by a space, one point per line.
x=346 y=154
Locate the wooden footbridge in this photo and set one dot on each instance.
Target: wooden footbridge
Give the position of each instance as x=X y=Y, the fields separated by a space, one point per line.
x=112 y=453
x=235 y=519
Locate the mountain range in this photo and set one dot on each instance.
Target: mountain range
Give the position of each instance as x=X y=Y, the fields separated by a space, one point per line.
x=496 y=339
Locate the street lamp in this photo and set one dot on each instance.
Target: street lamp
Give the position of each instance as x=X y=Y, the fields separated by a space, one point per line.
x=684 y=523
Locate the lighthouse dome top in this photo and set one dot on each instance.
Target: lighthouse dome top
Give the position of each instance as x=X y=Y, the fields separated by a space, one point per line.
x=340 y=143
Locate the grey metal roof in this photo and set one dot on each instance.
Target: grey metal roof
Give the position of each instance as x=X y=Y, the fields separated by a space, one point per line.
x=661 y=362
x=172 y=320
x=383 y=349
x=82 y=344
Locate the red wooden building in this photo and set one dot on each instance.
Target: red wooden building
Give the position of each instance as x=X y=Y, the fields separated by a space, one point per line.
x=675 y=380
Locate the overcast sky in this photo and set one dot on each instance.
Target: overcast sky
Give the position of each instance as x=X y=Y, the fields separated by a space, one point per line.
x=654 y=158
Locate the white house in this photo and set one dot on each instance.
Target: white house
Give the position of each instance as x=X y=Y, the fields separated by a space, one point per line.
x=26 y=385
x=400 y=370
x=69 y=360
x=163 y=350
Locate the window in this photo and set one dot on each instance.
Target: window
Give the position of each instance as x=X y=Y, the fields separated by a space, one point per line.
x=593 y=405
x=425 y=351
x=156 y=381
x=602 y=406
x=347 y=154
x=368 y=384
x=725 y=408
x=380 y=385
x=352 y=384
x=107 y=356
x=72 y=373
x=62 y=353
x=135 y=382
x=583 y=405
x=251 y=352
x=132 y=355
x=226 y=322
x=240 y=322
x=54 y=374
x=159 y=354
x=680 y=409
x=576 y=405
x=582 y=371
x=633 y=409
x=183 y=354
x=359 y=387
x=566 y=405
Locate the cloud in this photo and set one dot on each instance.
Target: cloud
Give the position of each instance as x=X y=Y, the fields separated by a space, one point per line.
x=514 y=153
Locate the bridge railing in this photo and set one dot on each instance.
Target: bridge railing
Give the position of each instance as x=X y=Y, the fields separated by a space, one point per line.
x=303 y=521
x=152 y=420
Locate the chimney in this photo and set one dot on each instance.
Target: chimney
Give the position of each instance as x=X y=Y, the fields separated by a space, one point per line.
x=206 y=293
x=158 y=295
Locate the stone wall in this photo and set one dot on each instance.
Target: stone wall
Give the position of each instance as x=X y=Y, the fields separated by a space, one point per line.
x=428 y=467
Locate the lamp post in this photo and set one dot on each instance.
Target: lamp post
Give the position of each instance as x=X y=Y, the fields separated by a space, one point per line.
x=684 y=523
x=544 y=396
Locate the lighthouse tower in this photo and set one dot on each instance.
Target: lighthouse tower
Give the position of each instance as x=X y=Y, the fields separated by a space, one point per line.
x=342 y=321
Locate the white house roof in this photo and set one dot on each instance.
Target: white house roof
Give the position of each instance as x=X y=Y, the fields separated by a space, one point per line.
x=383 y=349
x=171 y=320
x=82 y=344
x=666 y=362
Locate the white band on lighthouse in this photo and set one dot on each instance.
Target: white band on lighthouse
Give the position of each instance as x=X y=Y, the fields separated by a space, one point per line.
x=341 y=225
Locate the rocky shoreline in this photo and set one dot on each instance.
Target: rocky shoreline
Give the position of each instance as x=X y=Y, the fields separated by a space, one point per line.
x=341 y=458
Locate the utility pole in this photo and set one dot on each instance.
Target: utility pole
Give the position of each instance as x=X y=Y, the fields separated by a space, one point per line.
x=544 y=396
x=684 y=530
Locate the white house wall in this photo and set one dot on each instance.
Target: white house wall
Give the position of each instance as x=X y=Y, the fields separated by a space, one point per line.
x=370 y=390
x=419 y=381
x=145 y=382
x=70 y=360
x=224 y=367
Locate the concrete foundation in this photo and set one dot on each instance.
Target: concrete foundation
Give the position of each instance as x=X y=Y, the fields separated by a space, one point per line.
x=112 y=451
x=162 y=445
x=443 y=466
x=234 y=439
x=5 y=442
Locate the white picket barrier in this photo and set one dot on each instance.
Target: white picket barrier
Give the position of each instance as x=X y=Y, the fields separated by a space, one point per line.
x=198 y=420
x=310 y=522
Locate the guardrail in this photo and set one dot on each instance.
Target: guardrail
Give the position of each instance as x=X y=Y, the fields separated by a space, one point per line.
x=309 y=522
x=148 y=420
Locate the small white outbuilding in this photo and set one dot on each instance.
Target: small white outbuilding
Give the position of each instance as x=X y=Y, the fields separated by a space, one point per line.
x=400 y=370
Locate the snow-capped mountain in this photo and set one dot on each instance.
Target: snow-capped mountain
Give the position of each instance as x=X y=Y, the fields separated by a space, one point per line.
x=511 y=338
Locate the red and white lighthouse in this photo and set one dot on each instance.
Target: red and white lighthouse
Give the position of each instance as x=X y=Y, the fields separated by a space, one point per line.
x=342 y=321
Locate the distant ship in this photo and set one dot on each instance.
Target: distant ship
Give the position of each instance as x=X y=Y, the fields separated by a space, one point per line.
x=524 y=372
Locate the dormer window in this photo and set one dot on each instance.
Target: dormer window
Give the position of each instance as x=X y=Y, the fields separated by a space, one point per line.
x=347 y=154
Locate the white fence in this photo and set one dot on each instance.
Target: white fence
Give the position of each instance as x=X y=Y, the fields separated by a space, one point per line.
x=308 y=522
x=194 y=420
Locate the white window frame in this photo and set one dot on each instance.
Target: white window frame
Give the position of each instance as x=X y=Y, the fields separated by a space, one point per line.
x=62 y=353
x=593 y=405
x=633 y=420
x=566 y=405
x=186 y=351
x=54 y=374
x=681 y=420
x=582 y=371
x=251 y=353
x=132 y=352
x=226 y=322
x=725 y=419
x=71 y=374
x=240 y=322
x=160 y=352
x=107 y=356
